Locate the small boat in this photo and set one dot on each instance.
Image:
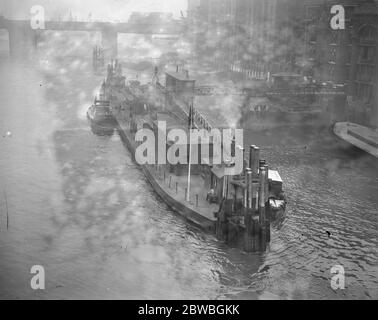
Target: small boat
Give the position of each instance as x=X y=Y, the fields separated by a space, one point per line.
x=100 y=112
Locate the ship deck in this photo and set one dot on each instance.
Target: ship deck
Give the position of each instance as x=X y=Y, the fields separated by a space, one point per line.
x=200 y=212
x=203 y=207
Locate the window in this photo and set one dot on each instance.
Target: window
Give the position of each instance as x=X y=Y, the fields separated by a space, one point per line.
x=332 y=54
x=312 y=12
x=367 y=33
x=334 y=37
x=348 y=54
x=364 y=91
x=331 y=71
x=348 y=12
x=364 y=73
x=366 y=54
x=311 y=33
x=312 y=51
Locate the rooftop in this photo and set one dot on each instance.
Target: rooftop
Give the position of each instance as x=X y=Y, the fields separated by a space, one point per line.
x=182 y=75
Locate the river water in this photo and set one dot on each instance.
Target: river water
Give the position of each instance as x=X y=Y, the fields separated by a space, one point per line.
x=79 y=206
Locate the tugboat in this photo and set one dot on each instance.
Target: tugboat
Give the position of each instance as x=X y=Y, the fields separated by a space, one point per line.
x=100 y=112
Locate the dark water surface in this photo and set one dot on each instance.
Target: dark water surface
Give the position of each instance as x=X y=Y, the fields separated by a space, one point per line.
x=81 y=208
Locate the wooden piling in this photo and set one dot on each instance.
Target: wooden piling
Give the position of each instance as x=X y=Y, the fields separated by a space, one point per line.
x=261 y=199
x=251 y=238
x=267 y=230
x=266 y=167
x=245 y=197
x=247 y=238
x=176 y=186
x=254 y=197
x=249 y=187
x=267 y=207
x=262 y=213
x=196 y=200
x=255 y=234
x=263 y=238
x=170 y=180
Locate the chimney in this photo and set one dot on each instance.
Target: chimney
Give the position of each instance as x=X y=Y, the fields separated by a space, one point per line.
x=254 y=160
x=249 y=188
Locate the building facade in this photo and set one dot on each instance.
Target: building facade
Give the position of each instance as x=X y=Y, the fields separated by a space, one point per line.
x=258 y=38
x=328 y=51
x=363 y=71
x=347 y=57
x=254 y=37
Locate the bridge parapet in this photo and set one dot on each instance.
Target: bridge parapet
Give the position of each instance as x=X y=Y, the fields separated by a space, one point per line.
x=22 y=37
x=119 y=27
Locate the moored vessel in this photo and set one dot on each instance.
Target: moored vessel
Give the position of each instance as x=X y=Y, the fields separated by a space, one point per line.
x=293 y=101
x=100 y=112
x=238 y=207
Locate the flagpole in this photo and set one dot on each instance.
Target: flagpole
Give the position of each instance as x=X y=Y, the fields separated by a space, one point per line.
x=190 y=151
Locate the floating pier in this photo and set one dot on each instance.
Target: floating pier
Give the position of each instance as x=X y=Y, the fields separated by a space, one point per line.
x=361 y=137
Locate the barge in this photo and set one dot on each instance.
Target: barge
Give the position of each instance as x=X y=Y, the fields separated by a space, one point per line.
x=238 y=209
x=291 y=101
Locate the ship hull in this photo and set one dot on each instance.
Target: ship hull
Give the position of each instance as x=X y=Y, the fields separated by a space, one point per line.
x=101 y=120
x=189 y=214
x=236 y=235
